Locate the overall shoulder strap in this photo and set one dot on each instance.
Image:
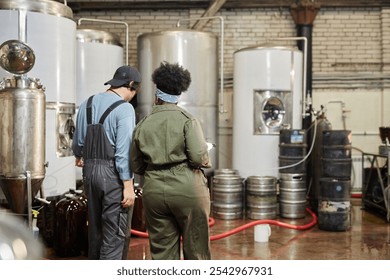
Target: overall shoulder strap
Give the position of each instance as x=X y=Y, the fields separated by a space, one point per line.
x=89 y=110
x=109 y=110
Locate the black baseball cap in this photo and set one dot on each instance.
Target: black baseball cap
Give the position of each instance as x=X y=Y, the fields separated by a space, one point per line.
x=124 y=75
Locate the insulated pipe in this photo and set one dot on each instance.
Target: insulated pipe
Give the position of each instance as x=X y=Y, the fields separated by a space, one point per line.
x=221 y=103
x=248 y=225
x=115 y=22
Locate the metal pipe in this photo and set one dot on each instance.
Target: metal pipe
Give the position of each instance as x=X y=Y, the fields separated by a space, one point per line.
x=221 y=97
x=388 y=171
x=22 y=25
x=304 y=98
x=365 y=133
x=343 y=110
x=29 y=199
x=114 y=22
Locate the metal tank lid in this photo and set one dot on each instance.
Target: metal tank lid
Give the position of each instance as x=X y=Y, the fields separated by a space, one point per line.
x=267 y=46
x=41 y=6
x=176 y=30
x=97 y=36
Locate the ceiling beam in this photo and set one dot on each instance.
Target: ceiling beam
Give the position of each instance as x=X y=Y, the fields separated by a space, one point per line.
x=211 y=11
x=85 y=5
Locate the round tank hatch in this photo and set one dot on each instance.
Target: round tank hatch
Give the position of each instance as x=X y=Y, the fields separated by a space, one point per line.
x=16 y=57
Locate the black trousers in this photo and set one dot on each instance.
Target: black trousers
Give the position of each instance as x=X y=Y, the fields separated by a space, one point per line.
x=107 y=219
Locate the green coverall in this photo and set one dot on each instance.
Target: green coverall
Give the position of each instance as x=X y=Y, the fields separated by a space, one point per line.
x=169 y=149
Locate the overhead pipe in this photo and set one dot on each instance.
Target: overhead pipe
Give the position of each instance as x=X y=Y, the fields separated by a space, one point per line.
x=114 y=22
x=221 y=98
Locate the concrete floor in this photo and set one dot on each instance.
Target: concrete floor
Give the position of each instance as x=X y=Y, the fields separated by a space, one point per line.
x=367 y=239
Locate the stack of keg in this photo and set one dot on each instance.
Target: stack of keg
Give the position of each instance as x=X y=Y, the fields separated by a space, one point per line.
x=292 y=184
x=334 y=206
x=227 y=195
x=261 y=197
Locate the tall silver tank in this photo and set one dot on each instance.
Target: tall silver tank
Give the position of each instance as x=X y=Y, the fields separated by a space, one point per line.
x=267 y=98
x=22 y=127
x=49 y=29
x=93 y=72
x=196 y=51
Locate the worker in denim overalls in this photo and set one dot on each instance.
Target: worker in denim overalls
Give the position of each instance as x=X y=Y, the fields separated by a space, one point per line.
x=101 y=144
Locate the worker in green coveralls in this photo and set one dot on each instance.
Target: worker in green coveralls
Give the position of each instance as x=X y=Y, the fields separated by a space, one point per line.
x=169 y=150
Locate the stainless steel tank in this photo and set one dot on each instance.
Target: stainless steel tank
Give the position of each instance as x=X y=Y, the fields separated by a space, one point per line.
x=268 y=86
x=22 y=128
x=49 y=29
x=93 y=72
x=196 y=51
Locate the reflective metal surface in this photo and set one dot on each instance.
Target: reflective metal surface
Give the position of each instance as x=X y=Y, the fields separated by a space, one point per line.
x=22 y=139
x=92 y=72
x=16 y=57
x=196 y=51
x=35 y=22
x=41 y=6
x=97 y=36
x=65 y=126
x=267 y=97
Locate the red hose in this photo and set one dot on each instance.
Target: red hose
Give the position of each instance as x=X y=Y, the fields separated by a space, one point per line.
x=246 y=226
x=356 y=195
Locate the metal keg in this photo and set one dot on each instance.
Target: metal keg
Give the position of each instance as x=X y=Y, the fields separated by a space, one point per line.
x=292 y=197
x=226 y=171
x=261 y=197
x=227 y=195
x=292 y=151
x=334 y=207
x=336 y=154
x=223 y=171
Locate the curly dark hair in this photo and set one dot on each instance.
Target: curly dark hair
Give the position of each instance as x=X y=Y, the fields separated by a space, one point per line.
x=171 y=78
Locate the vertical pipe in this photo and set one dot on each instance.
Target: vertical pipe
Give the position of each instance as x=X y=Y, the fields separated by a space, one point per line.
x=29 y=199
x=22 y=16
x=305 y=30
x=22 y=25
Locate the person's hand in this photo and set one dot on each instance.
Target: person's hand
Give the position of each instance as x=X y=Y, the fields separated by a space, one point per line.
x=128 y=194
x=79 y=162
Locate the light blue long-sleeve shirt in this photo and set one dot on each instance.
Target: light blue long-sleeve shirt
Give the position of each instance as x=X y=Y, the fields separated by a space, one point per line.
x=119 y=126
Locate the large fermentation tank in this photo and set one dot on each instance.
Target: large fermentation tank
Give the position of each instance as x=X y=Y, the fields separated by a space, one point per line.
x=196 y=51
x=99 y=54
x=22 y=127
x=48 y=28
x=267 y=98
